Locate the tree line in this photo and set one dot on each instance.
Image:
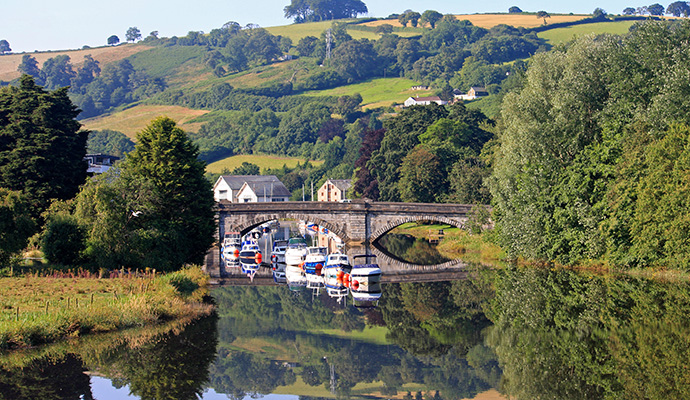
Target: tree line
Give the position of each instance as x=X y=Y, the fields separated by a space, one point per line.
x=154 y=210
x=591 y=152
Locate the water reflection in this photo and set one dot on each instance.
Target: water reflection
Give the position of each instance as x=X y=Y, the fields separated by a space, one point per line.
x=522 y=333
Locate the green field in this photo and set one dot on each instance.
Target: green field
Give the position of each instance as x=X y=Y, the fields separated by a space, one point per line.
x=379 y=92
x=376 y=335
x=263 y=161
x=564 y=35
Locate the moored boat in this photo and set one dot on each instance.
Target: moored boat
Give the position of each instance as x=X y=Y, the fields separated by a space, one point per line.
x=315 y=260
x=365 y=281
x=296 y=251
x=278 y=252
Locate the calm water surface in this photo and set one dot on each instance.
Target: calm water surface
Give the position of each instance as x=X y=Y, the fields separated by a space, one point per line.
x=527 y=334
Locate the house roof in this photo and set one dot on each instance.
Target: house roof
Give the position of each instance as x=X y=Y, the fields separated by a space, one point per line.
x=430 y=98
x=270 y=185
x=342 y=184
x=235 y=182
x=479 y=89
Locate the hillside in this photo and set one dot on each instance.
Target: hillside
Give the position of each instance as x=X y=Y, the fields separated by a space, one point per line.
x=248 y=90
x=134 y=119
x=525 y=20
x=104 y=55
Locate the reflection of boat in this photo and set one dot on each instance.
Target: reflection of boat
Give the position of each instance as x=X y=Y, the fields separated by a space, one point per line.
x=279 y=273
x=278 y=252
x=230 y=249
x=296 y=251
x=295 y=277
x=365 y=281
x=250 y=253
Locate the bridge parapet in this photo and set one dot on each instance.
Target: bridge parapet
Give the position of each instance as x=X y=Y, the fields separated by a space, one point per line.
x=356 y=223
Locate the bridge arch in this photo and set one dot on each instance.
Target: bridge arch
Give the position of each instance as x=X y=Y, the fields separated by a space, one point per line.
x=392 y=224
x=259 y=219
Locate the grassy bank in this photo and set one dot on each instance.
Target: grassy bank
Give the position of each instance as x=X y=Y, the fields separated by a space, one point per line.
x=37 y=309
x=458 y=243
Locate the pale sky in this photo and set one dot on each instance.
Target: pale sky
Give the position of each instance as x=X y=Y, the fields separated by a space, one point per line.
x=30 y=25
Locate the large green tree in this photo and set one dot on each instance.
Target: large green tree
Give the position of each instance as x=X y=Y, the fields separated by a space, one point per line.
x=167 y=160
x=155 y=210
x=41 y=145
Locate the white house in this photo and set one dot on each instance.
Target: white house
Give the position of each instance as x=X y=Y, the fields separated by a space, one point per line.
x=334 y=190
x=423 y=101
x=265 y=189
x=99 y=163
x=475 y=92
x=228 y=187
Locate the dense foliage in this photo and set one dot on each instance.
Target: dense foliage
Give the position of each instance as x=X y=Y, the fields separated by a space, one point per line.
x=41 y=144
x=421 y=148
x=155 y=210
x=592 y=152
x=109 y=142
x=323 y=10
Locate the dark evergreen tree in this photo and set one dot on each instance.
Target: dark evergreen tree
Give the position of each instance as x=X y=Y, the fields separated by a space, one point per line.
x=41 y=145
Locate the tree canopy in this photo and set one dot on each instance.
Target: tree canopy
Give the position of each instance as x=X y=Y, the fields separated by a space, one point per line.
x=605 y=180
x=4 y=46
x=323 y=10
x=41 y=145
x=155 y=210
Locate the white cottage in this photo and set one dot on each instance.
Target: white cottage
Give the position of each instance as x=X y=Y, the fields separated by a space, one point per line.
x=228 y=188
x=266 y=189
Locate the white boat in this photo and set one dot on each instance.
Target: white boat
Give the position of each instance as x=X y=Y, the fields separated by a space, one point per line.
x=278 y=252
x=315 y=260
x=337 y=268
x=365 y=281
x=338 y=260
x=296 y=251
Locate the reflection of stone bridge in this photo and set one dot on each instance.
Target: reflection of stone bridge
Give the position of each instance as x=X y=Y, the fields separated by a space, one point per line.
x=359 y=223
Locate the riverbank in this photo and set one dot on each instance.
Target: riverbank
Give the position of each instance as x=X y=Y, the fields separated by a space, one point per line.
x=457 y=243
x=36 y=309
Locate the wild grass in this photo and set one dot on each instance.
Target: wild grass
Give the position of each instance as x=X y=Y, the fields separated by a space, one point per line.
x=564 y=35
x=37 y=309
x=263 y=161
x=134 y=119
x=379 y=92
x=458 y=243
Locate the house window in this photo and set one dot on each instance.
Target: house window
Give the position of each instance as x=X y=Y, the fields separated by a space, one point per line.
x=223 y=194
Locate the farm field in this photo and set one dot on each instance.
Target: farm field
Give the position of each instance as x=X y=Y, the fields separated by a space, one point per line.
x=104 y=55
x=133 y=120
x=563 y=35
x=526 y=20
x=263 y=161
x=380 y=92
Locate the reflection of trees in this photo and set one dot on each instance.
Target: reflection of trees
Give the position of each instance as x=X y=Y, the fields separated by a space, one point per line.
x=174 y=366
x=46 y=378
x=563 y=335
x=415 y=251
x=547 y=334
x=237 y=373
x=436 y=324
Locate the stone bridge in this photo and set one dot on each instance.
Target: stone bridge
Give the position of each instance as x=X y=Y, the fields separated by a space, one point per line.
x=358 y=224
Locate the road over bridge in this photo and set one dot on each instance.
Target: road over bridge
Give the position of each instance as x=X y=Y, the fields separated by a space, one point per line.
x=359 y=223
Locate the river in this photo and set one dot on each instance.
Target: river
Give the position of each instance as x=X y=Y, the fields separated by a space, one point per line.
x=488 y=334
